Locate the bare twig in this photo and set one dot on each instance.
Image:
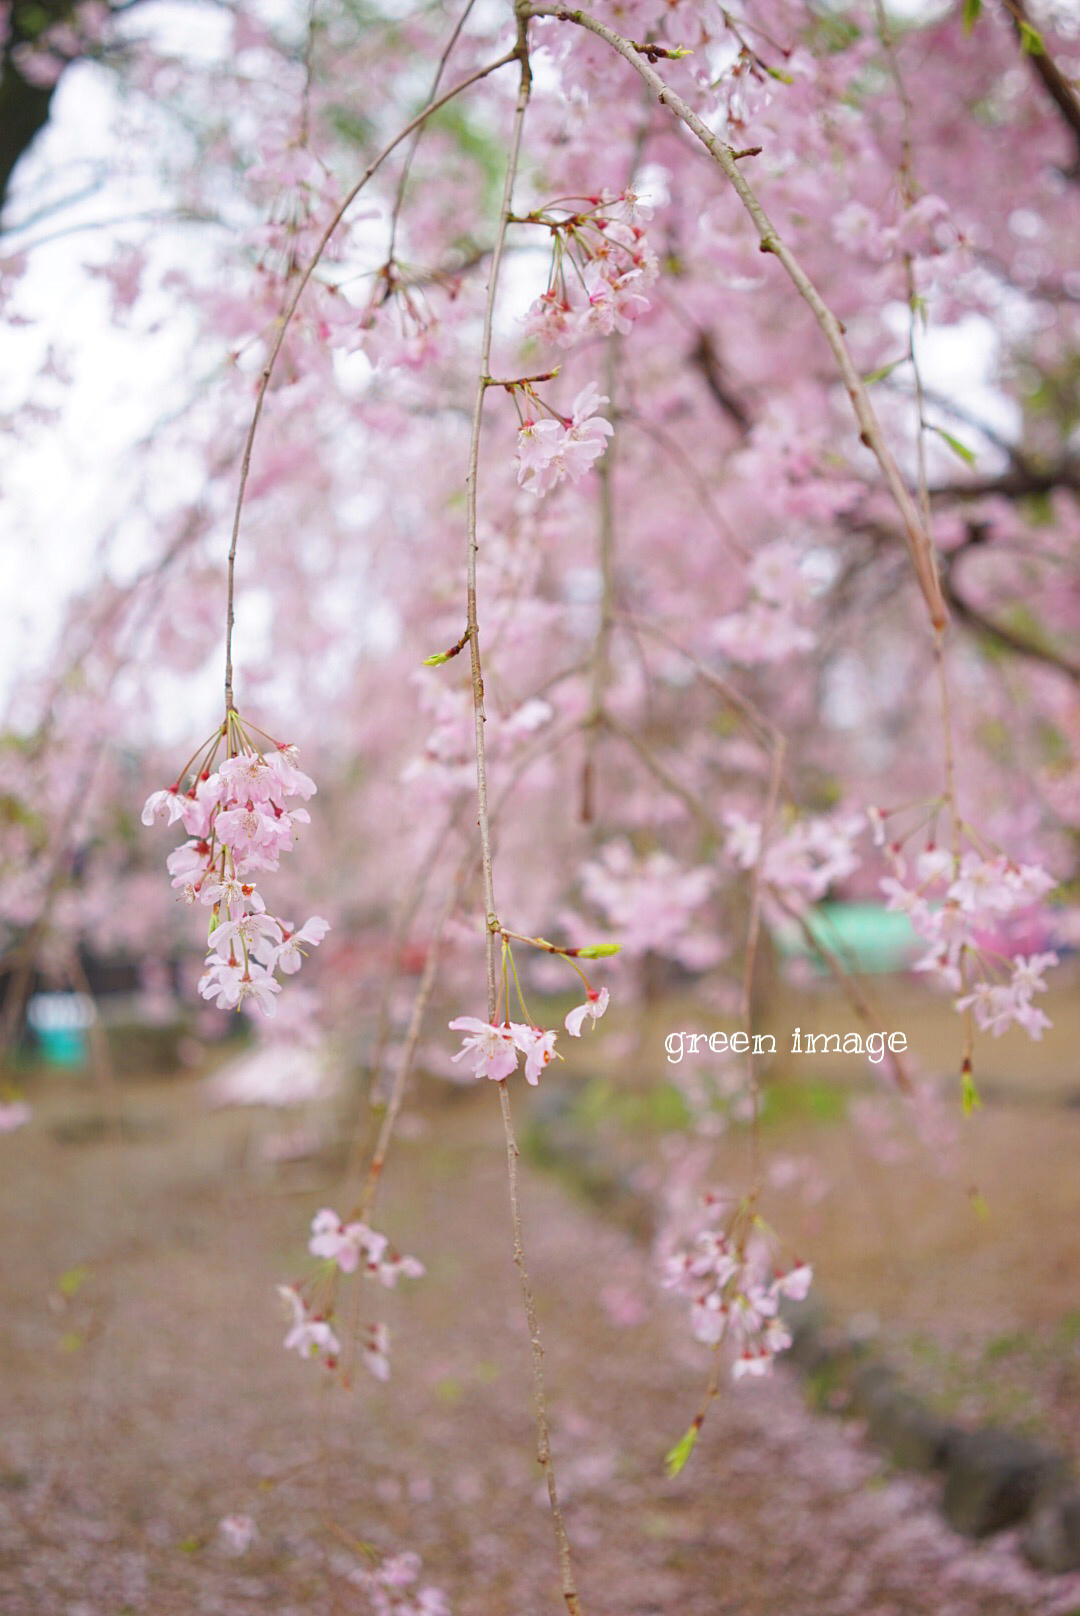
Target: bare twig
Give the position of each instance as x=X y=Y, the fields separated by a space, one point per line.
x=753 y=933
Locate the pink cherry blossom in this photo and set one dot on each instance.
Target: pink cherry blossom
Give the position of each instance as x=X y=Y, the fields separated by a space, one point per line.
x=795 y=1283
x=376 y=1352
x=593 y=1008
x=289 y=954
x=753 y=1362
x=537 y=1045
x=291 y=780
x=537 y=446
x=491 y=1048
x=310 y=1337
x=248 y=775
x=171 y=802
x=743 y=843
x=336 y=1242
x=243 y=933
x=982 y=884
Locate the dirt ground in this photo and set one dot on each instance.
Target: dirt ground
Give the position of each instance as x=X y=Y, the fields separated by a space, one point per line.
x=954 y=1241
x=146 y=1395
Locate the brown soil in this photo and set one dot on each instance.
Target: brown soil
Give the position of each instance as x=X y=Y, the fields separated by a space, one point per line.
x=154 y=1398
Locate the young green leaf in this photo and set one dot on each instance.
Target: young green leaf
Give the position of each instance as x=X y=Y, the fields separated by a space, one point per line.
x=972 y=1100
x=966 y=455
x=1031 y=41
x=886 y=370
x=676 y=1458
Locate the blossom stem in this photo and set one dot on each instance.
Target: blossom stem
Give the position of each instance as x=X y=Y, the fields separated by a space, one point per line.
x=562 y=1542
x=753 y=933
x=601 y=654
x=543 y=1446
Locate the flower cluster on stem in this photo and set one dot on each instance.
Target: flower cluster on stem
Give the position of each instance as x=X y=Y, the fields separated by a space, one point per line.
x=961 y=902
x=495 y=1047
x=601 y=266
x=551 y=446
x=735 y=1283
x=239 y=821
x=344 y=1248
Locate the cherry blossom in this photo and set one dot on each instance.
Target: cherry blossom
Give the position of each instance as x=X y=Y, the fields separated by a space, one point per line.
x=394 y=1590
x=998 y=1007
x=491 y=1048
x=735 y=592
x=733 y=1288
x=537 y=1045
x=376 y=1351
x=596 y=1003
x=549 y=451
x=169 y=801
x=353 y=1246
x=239 y=824
x=308 y=1336
x=289 y=953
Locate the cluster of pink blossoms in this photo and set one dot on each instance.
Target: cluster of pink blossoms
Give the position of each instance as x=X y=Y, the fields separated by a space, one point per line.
x=494 y=1047
x=802 y=864
x=600 y=266
x=350 y=1248
x=238 y=822
x=960 y=905
x=310 y=1334
x=652 y=902
x=354 y=1246
x=735 y=1292
x=610 y=265
x=554 y=447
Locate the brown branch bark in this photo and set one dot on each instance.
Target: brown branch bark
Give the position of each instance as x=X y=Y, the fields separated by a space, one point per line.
x=1057 y=86
x=1007 y=638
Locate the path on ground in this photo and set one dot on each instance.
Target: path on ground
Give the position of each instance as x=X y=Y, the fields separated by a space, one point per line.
x=155 y=1398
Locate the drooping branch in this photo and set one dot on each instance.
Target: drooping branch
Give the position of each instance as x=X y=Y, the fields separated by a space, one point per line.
x=999 y=634
x=918 y=539
x=289 y=311
x=973 y=617
x=1022 y=482
x=491 y=921
x=1043 y=65
x=707 y=360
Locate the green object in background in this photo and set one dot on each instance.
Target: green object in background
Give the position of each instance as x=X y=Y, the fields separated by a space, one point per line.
x=63 y=1046
x=60 y=1021
x=863 y=936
